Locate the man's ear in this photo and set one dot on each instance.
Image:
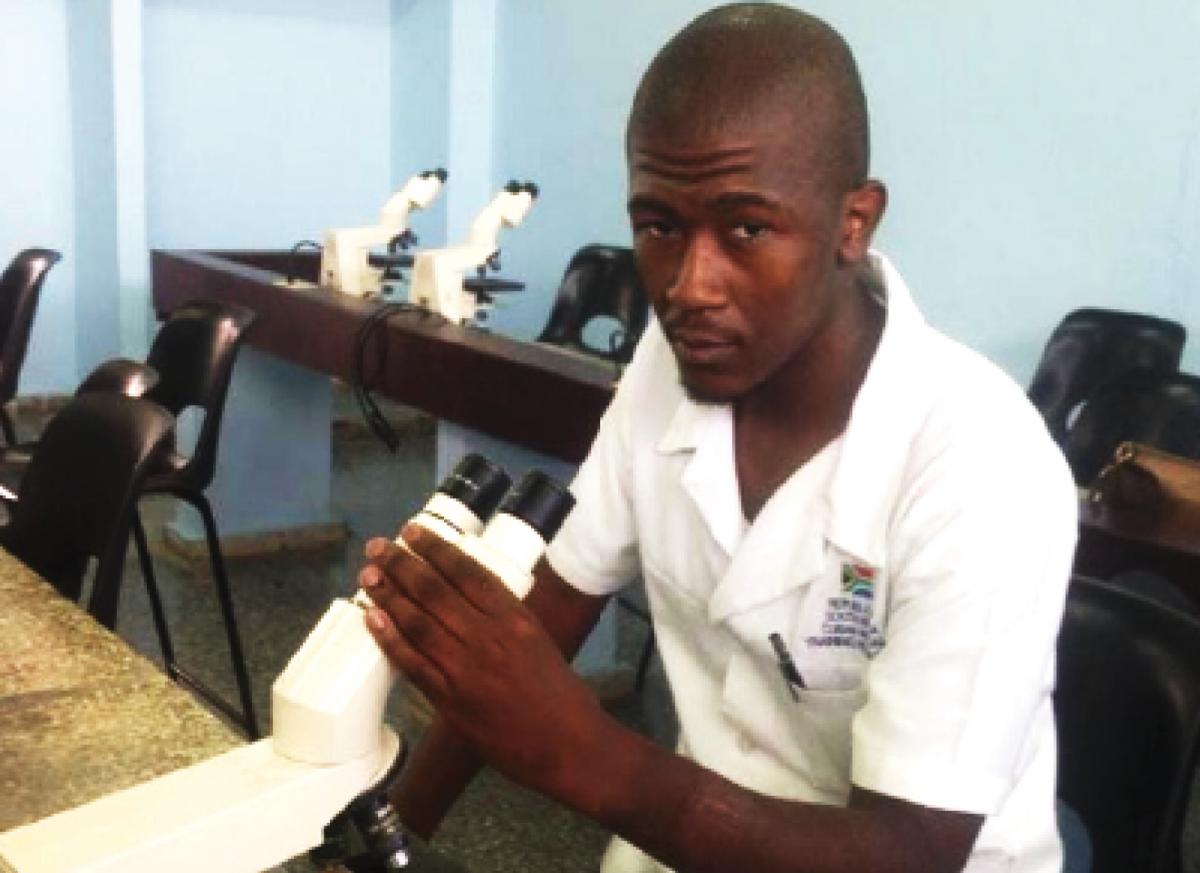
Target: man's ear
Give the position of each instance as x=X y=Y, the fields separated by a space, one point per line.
x=862 y=210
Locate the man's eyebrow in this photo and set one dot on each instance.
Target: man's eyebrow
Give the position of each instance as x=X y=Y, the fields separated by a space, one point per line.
x=734 y=199
x=646 y=202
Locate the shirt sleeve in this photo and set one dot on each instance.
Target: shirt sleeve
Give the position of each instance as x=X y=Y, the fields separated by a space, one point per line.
x=596 y=551
x=960 y=692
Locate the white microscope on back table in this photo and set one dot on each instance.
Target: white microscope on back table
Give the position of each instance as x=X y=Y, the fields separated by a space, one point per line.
x=439 y=283
x=331 y=758
x=346 y=259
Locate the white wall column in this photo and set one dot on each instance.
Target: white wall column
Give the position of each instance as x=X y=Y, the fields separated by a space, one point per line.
x=129 y=137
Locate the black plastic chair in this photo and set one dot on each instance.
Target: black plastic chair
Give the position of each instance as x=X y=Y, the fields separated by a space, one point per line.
x=78 y=493
x=116 y=376
x=20 y=290
x=1128 y=708
x=193 y=354
x=1093 y=346
x=600 y=281
x=1156 y=408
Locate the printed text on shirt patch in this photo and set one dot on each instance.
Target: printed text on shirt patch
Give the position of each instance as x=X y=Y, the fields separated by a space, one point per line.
x=847 y=623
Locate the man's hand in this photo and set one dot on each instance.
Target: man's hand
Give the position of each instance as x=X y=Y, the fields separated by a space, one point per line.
x=483 y=660
x=498 y=680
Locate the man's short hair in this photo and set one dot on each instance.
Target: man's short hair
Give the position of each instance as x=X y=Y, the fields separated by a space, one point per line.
x=735 y=62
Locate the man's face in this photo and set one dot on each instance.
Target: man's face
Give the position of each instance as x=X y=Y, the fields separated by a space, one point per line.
x=737 y=244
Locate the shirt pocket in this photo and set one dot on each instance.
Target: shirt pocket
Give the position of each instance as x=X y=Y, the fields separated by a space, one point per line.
x=808 y=734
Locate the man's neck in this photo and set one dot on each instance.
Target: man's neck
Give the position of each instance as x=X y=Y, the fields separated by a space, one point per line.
x=789 y=418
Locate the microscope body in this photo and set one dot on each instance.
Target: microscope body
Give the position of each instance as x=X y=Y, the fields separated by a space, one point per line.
x=438 y=279
x=330 y=758
x=344 y=254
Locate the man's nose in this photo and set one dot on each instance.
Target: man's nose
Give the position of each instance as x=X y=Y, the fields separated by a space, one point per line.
x=699 y=279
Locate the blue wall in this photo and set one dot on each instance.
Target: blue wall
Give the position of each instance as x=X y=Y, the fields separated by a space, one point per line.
x=37 y=176
x=89 y=68
x=1039 y=156
x=420 y=90
x=267 y=122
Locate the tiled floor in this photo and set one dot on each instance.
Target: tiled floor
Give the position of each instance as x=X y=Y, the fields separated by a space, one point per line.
x=496 y=827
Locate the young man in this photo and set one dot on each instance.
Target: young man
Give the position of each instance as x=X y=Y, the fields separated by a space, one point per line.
x=855 y=535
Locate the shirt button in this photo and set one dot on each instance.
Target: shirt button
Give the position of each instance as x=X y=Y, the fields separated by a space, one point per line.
x=744 y=743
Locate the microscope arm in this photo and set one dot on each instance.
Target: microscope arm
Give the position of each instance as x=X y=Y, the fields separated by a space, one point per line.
x=438 y=274
x=344 y=259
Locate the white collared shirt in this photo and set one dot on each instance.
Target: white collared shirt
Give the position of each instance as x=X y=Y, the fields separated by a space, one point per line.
x=915 y=569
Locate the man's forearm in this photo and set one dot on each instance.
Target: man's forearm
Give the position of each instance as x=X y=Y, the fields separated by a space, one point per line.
x=443 y=763
x=440 y=769
x=696 y=821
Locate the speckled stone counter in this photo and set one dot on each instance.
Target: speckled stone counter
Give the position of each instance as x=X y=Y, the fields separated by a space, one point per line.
x=81 y=714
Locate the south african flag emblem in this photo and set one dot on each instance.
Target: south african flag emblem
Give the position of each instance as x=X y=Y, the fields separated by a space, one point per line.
x=858 y=580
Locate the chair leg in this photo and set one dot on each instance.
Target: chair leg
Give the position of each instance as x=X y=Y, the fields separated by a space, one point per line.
x=226 y=601
x=156 y=607
x=6 y=424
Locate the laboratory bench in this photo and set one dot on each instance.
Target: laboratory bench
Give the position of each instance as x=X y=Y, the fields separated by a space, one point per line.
x=537 y=396
x=83 y=715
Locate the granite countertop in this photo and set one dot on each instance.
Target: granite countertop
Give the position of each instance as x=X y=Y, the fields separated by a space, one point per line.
x=81 y=713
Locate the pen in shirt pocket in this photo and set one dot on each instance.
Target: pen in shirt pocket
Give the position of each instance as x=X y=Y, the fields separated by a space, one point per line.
x=786 y=665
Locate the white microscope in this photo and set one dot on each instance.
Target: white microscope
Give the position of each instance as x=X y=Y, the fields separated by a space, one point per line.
x=346 y=254
x=331 y=758
x=439 y=279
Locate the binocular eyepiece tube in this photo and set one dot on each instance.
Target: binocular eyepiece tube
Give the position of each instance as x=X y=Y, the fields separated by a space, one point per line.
x=504 y=529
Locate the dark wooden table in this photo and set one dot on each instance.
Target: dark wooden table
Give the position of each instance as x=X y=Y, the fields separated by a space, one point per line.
x=537 y=396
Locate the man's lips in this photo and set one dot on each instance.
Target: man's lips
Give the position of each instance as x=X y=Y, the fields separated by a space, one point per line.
x=702 y=346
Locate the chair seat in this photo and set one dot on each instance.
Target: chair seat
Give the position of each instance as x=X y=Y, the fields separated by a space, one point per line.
x=173 y=474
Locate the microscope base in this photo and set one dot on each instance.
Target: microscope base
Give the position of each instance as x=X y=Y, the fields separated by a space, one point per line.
x=241 y=812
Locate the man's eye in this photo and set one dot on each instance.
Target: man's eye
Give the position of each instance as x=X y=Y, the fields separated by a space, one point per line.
x=653 y=229
x=749 y=230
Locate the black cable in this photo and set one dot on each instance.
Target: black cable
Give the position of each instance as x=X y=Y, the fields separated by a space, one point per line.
x=363 y=380
x=295 y=250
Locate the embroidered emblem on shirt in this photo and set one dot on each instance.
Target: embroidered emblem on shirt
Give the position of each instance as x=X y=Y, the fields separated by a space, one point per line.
x=858 y=579
x=847 y=623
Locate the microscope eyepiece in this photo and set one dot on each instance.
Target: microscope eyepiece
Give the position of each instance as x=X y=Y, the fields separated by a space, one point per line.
x=540 y=502
x=440 y=172
x=477 y=483
x=512 y=186
x=531 y=188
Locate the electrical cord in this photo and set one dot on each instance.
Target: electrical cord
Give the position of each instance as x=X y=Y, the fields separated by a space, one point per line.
x=363 y=380
x=295 y=250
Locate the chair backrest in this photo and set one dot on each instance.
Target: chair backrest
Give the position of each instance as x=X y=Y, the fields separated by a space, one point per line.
x=1156 y=408
x=1128 y=708
x=600 y=281
x=1093 y=346
x=193 y=354
x=77 y=494
x=20 y=288
x=120 y=376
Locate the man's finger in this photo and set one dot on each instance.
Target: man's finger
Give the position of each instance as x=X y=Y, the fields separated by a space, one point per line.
x=480 y=586
x=420 y=670
x=394 y=572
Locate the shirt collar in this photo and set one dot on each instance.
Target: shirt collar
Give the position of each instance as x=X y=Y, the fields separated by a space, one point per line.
x=883 y=421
